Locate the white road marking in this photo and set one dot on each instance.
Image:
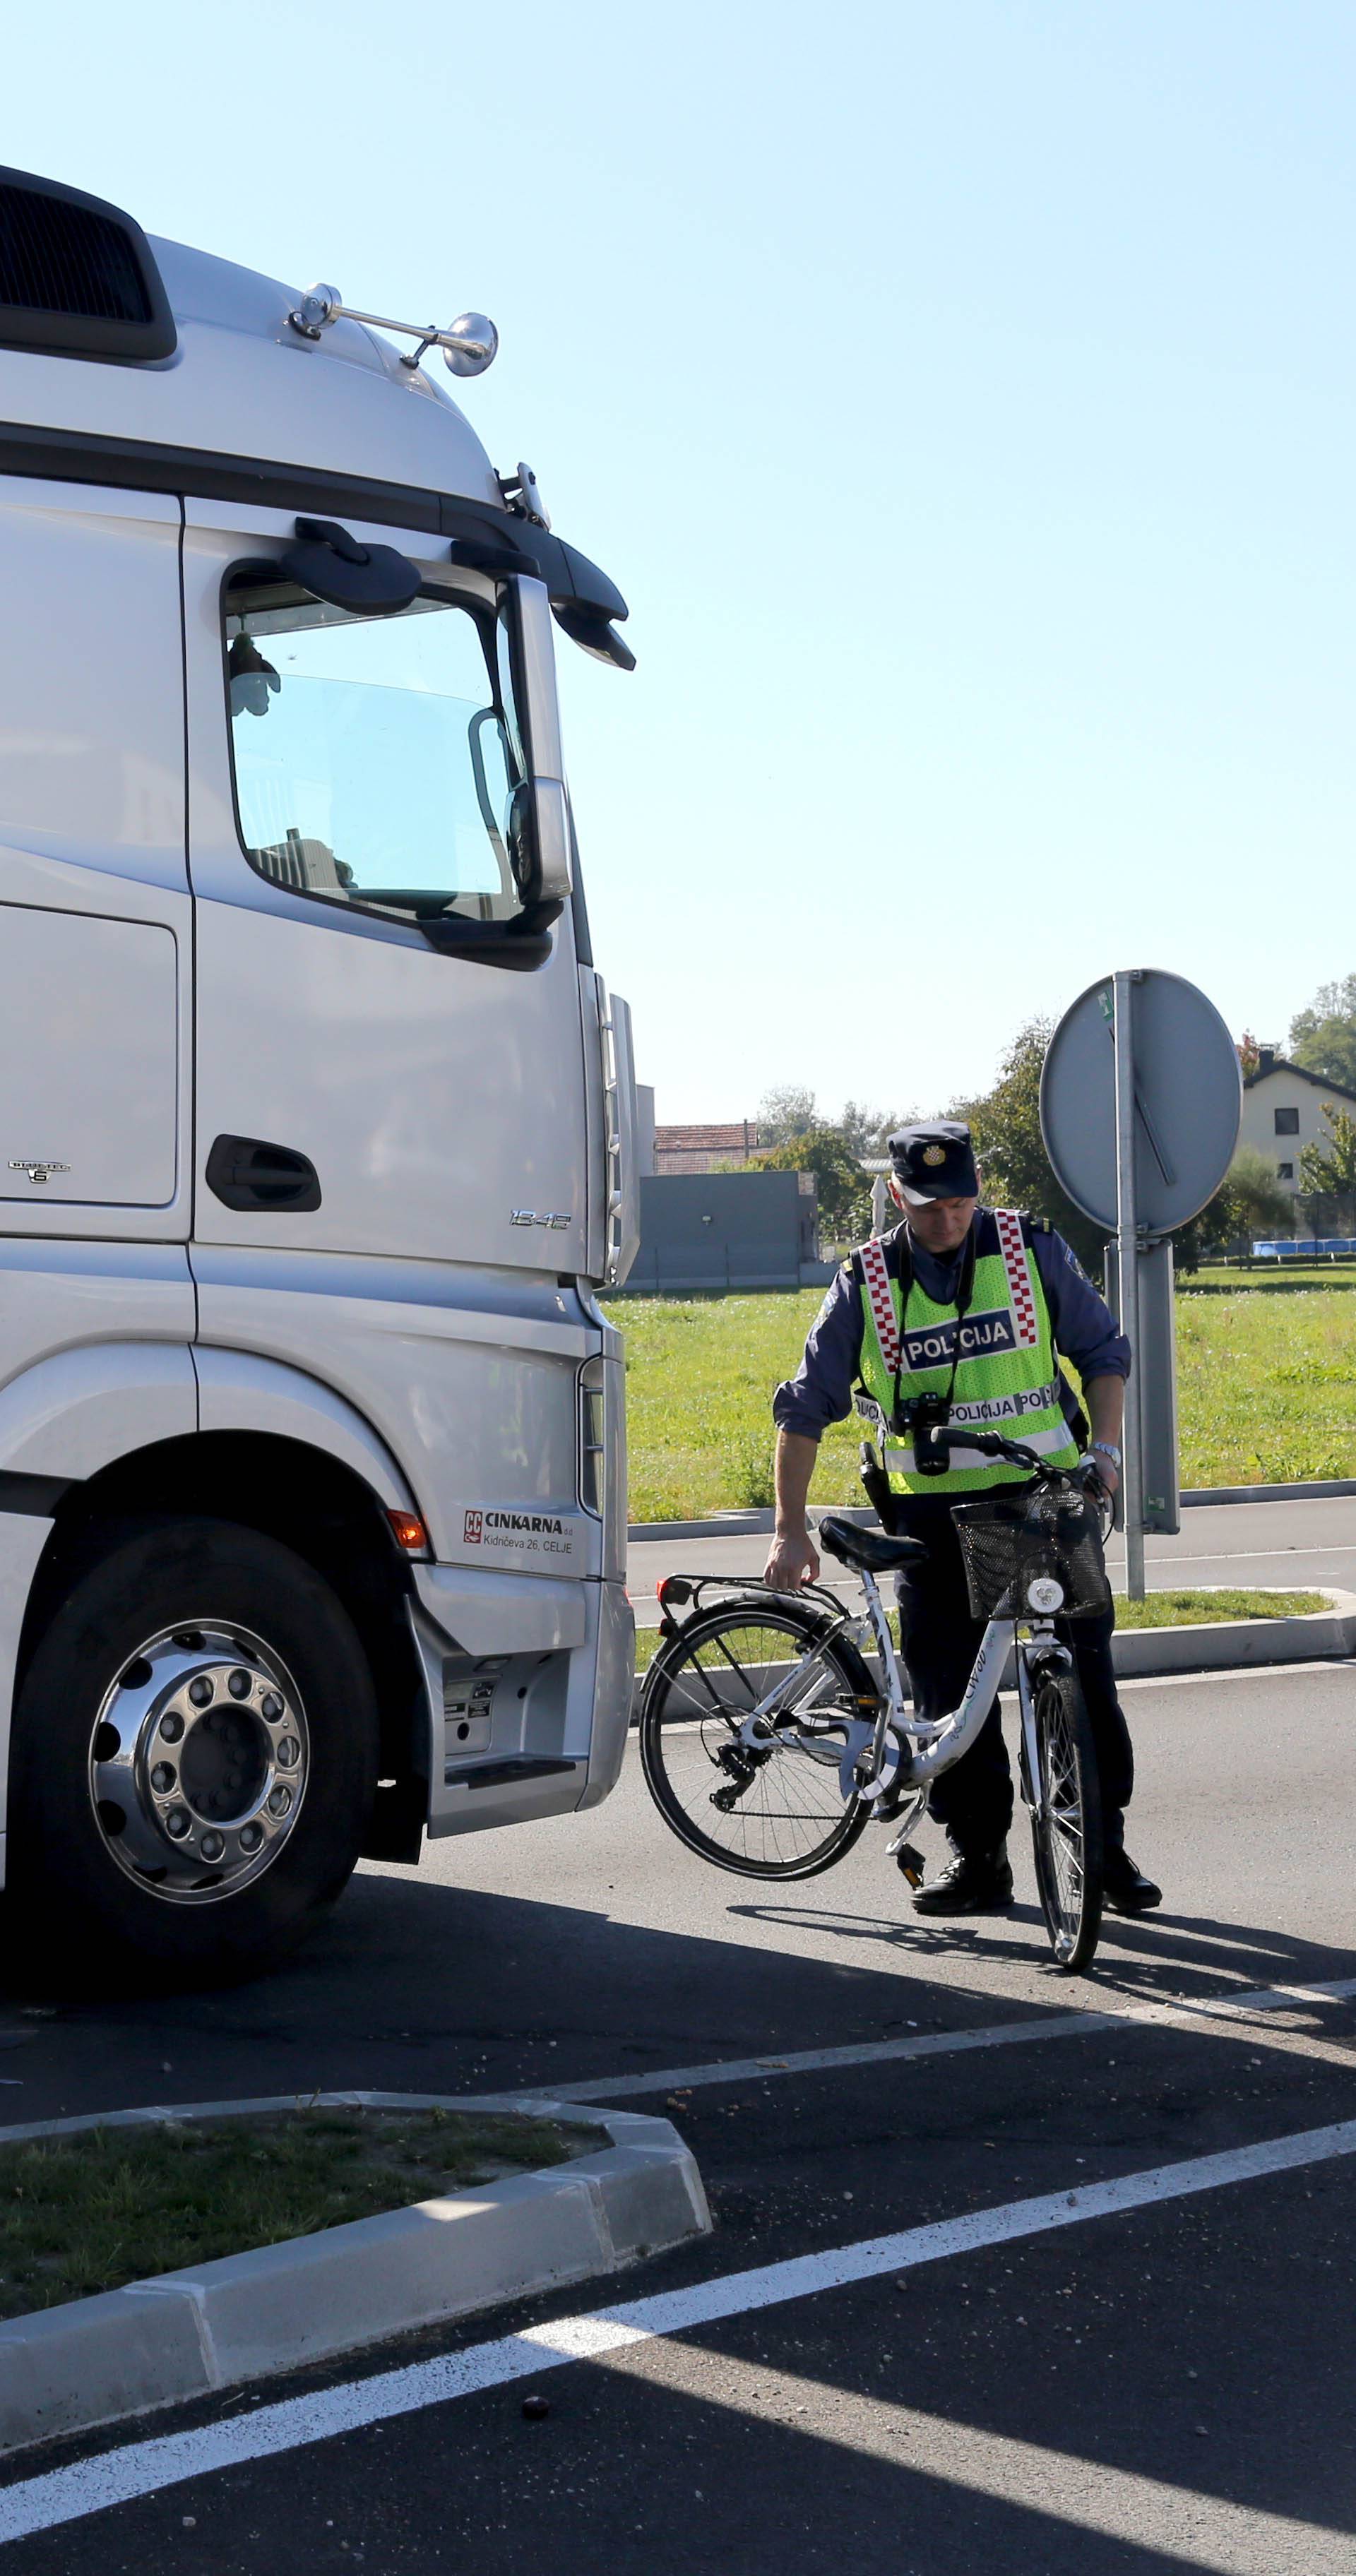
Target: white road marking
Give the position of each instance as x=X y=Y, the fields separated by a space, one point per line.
x=1162 y=1563
x=1185 y=2012
x=144 y=2468
x=1192 y=2527
x=1235 y=1673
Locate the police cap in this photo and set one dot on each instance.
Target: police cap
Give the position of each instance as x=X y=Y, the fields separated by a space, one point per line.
x=934 y=1162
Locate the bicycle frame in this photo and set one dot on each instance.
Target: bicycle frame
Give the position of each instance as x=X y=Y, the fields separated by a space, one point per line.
x=905 y=1750
x=934 y=1745
x=894 y=1748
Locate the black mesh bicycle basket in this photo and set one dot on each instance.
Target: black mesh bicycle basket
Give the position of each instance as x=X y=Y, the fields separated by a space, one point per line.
x=1010 y=1540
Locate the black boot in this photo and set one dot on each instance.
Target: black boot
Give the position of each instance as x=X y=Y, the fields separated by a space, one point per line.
x=1125 y=1889
x=975 y=1883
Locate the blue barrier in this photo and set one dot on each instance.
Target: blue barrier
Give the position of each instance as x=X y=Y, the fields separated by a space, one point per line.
x=1304 y=1247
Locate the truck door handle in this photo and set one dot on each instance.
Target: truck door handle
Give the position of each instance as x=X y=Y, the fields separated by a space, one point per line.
x=244 y=1172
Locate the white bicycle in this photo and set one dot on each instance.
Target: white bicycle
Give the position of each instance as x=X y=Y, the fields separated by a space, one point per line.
x=768 y=1742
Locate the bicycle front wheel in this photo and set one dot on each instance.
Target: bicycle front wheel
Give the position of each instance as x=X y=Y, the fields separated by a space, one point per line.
x=771 y=1808
x=1066 y=1822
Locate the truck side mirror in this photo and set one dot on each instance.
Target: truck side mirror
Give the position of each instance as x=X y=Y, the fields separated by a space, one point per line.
x=539 y=828
x=539 y=841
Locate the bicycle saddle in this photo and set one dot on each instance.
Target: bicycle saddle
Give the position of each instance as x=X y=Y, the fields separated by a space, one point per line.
x=869 y=1550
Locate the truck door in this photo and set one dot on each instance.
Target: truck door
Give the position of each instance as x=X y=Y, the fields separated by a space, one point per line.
x=95 y=946
x=361 y=1089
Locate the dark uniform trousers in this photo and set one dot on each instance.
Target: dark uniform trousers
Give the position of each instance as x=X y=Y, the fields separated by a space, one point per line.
x=941 y=1640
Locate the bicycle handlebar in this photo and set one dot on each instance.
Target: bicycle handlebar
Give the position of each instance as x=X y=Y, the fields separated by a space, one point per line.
x=938 y=1444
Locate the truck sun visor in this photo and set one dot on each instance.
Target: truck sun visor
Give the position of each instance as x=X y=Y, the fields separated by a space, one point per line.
x=77 y=277
x=333 y=566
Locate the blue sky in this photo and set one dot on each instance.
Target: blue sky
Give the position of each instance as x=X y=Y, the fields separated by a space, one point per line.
x=962 y=394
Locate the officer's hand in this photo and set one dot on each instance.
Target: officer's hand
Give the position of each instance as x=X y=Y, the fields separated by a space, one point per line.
x=1099 y=1474
x=791 y=1561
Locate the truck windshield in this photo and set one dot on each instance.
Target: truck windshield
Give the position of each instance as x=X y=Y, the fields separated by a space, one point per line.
x=375 y=757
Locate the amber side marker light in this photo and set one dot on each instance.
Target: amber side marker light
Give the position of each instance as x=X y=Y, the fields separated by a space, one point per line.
x=410 y=1532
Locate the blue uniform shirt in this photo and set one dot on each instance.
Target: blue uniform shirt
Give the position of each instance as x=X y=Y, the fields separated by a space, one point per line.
x=821 y=1390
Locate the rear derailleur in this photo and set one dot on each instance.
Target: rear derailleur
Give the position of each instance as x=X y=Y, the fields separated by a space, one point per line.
x=741 y=1764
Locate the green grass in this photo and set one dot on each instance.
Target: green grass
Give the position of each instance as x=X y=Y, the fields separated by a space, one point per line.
x=1266 y=1384
x=1266 y=1390
x=93 y=2210
x=1157 y=1610
x=1191 y=1609
x=1272 y=1276
x=700 y=1375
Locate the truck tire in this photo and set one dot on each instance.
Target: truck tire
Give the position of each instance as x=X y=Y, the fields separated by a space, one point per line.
x=194 y=1761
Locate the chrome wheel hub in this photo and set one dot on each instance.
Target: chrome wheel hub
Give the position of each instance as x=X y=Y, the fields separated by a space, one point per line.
x=198 y=1763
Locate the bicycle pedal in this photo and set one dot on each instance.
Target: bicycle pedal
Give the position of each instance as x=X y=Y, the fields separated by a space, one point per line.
x=910 y=1860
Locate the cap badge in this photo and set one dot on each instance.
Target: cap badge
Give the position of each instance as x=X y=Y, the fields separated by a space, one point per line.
x=934 y=1154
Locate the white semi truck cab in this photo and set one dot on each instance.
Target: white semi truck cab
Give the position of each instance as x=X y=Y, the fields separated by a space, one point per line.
x=316 y=1118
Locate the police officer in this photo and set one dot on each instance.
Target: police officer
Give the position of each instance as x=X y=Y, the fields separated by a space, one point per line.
x=969 y=1305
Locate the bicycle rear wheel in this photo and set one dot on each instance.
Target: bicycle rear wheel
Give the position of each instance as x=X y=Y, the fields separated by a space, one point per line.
x=773 y=1809
x=1067 y=1831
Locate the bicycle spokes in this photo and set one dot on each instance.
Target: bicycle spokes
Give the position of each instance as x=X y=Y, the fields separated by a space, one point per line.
x=1066 y=1822
x=742 y=1737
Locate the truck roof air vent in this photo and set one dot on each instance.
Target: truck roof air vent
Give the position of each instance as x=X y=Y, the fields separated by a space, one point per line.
x=77 y=278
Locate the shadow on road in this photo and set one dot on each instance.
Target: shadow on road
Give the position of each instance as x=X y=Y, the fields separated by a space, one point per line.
x=1158 y=1958
x=414 y=1985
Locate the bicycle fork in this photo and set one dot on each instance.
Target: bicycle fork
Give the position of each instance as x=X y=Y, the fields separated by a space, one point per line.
x=1038 y=1653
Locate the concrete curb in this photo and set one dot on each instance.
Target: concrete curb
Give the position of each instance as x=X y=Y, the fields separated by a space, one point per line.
x=1213 y=1646
x=156 y=2343
x=753 y=1524
x=1231 y=1645
x=739 y=1524
x=1325 y=1489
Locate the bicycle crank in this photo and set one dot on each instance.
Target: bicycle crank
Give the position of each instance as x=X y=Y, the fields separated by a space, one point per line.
x=861 y=1737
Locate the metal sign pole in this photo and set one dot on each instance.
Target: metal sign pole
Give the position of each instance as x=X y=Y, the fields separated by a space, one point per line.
x=1156 y=1376
x=1132 y=1477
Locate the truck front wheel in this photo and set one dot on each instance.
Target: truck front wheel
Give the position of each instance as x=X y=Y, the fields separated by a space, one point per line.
x=194 y=1758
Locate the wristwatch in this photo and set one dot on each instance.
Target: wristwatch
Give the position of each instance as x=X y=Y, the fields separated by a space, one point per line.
x=1109 y=1450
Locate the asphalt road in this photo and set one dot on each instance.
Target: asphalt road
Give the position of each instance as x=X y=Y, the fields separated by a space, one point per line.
x=1158 y=2388
x=1262 y=1546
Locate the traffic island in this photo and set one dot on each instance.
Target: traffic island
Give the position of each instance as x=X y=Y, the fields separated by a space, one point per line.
x=1226 y=1643
x=610 y=2187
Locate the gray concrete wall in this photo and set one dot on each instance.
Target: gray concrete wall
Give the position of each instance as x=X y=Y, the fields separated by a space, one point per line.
x=717 y=1230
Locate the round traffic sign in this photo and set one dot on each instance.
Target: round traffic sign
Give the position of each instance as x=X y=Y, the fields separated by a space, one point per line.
x=1188 y=1096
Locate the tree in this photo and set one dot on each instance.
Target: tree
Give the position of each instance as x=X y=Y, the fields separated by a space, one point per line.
x=1248 y=1052
x=1323 y=1038
x=789 y=1110
x=868 y=1130
x=1250 y=1201
x=1328 y=1169
x=843 y=1188
x=1006 y=1128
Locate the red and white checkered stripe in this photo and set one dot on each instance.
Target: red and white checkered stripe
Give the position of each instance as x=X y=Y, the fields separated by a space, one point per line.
x=877 y=1279
x=1013 y=1249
